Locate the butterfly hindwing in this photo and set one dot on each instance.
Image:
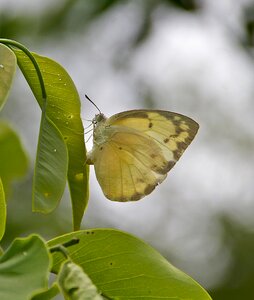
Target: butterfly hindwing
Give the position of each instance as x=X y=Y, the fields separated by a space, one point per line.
x=129 y=166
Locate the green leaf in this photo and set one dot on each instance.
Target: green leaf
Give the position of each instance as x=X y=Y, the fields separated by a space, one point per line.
x=2 y=210
x=7 y=71
x=75 y=284
x=63 y=109
x=24 y=268
x=50 y=168
x=123 y=267
x=47 y=294
x=14 y=162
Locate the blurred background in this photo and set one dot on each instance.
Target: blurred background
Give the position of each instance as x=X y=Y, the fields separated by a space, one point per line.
x=194 y=57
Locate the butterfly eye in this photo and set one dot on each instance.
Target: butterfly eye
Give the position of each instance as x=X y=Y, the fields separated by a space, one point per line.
x=94 y=121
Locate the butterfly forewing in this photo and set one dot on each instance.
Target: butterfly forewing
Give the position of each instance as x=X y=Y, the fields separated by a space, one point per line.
x=172 y=132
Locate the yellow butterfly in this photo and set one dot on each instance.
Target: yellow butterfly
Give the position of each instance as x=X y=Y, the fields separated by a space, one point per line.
x=134 y=150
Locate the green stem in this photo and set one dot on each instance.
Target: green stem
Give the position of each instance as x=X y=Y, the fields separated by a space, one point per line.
x=62 y=247
x=9 y=43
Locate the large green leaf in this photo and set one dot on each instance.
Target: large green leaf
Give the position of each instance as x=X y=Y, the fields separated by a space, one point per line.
x=63 y=109
x=7 y=72
x=24 y=268
x=2 y=211
x=50 y=169
x=123 y=267
x=13 y=159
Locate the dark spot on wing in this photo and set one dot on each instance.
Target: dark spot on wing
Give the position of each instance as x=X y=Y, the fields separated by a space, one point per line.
x=177 y=153
x=149 y=189
x=166 y=167
x=153 y=155
x=182 y=145
x=136 y=197
x=150 y=125
x=177 y=122
x=120 y=148
x=178 y=130
x=166 y=114
x=122 y=199
x=170 y=165
x=165 y=140
x=101 y=148
x=139 y=114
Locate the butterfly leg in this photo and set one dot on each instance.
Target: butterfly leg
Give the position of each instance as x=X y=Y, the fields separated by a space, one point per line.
x=90 y=158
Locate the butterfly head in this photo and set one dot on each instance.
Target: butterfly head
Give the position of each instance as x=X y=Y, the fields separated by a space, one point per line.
x=99 y=118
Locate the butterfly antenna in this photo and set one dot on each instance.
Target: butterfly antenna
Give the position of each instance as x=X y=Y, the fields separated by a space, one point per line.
x=88 y=126
x=86 y=132
x=89 y=138
x=93 y=103
x=86 y=120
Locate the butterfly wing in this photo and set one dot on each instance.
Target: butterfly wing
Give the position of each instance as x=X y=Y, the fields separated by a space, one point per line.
x=129 y=165
x=136 y=150
x=171 y=131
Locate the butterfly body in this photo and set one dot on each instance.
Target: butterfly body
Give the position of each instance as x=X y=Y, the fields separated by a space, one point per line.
x=134 y=150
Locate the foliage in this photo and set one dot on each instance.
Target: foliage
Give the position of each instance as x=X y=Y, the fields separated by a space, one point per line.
x=2 y=211
x=62 y=127
x=24 y=268
x=238 y=282
x=14 y=161
x=91 y=264
x=124 y=267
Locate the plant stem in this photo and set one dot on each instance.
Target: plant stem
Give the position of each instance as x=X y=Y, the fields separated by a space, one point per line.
x=10 y=43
